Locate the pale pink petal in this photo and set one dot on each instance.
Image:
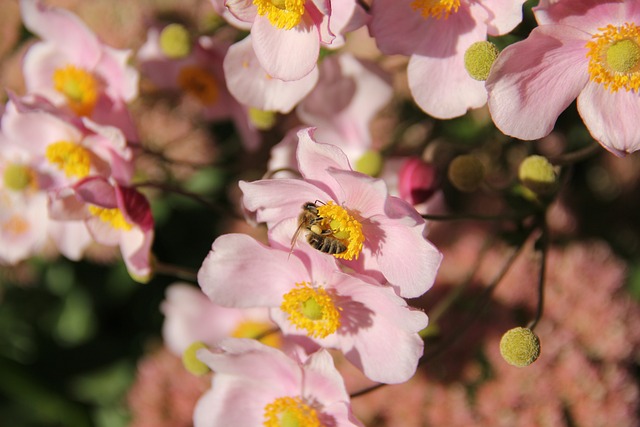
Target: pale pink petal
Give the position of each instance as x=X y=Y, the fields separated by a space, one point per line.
x=346 y=16
x=504 y=15
x=103 y=232
x=39 y=64
x=243 y=10
x=314 y=160
x=121 y=79
x=251 y=85
x=612 y=118
x=322 y=380
x=286 y=54
x=241 y=272
x=397 y=28
x=135 y=246
x=588 y=15
x=533 y=81
x=361 y=193
x=70 y=237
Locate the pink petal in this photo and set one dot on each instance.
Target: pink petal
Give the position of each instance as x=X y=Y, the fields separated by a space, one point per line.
x=243 y=10
x=396 y=27
x=361 y=193
x=241 y=272
x=533 y=81
x=135 y=246
x=504 y=15
x=315 y=158
x=134 y=207
x=39 y=64
x=588 y=15
x=286 y=54
x=97 y=191
x=71 y=237
x=612 y=118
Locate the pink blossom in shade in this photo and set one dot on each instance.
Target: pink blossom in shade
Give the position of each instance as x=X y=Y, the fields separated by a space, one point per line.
x=438 y=81
x=287 y=42
x=534 y=80
x=348 y=95
x=251 y=379
x=200 y=76
x=23 y=225
x=376 y=330
x=93 y=79
x=114 y=215
x=252 y=86
x=389 y=225
x=190 y=316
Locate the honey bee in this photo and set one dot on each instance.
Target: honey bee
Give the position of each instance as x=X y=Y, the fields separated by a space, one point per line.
x=319 y=238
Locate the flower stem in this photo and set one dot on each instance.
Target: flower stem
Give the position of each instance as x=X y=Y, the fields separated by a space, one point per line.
x=176 y=271
x=544 y=249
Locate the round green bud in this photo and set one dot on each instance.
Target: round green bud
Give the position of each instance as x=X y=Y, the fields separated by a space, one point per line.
x=369 y=163
x=466 y=172
x=520 y=347
x=175 y=41
x=262 y=119
x=191 y=361
x=479 y=58
x=538 y=175
x=17 y=177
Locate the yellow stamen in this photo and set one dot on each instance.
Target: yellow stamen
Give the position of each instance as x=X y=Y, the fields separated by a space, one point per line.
x=345 y=228
x=312 y=309
x=290 y=412
x=78 y=86
x=254 y=329
x=70 y=157
x=17 y=177
x=112 y=216
x=614 y=57
x=436 y=8
x=15 y=225
x=284 y=14
x=199 y=83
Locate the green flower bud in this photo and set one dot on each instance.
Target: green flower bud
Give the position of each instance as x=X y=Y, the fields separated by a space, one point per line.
x=538 y=175
x=370 y=163
x=466 y=173
x=520 y=347
x=17 y=177
x=262 y=119
x=479 y=58
x=175 y=41
x=191 y=361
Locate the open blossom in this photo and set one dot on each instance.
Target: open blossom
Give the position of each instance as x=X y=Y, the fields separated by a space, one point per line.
x=256 y=385
x=287 y=35
x=114 y=215
x=73 y=69
x=190 y=316
x=436 y=34
x=375 y=228
x=310 y=296
x=583 y=49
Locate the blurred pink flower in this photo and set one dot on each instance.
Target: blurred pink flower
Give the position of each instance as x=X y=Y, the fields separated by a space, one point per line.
x=583 y=49
x=256 y=385
x=372 y=326
x=72 y=68
x=375 y=227
x=436 y=34
x=23 y=225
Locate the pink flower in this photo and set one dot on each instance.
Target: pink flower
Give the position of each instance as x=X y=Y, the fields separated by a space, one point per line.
x=190 y=316
x=287 y=37
x=583 y=49
x=23 y=225
x=72 y=68
x=436 y=35
x=251 y=85
x=372 y=326
x=257 y=385
x=114 y=215
x=417 y=180
x=375 y=228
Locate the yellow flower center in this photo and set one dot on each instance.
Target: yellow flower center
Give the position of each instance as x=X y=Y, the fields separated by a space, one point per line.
x=312 y=309
x=69 y=157
x=614 y=57
x=290 y=412
x=435 y=8
x=283 y=14
x=17 y=177
x=15 y=225
x=253 y=329
x=345 y=228
x=111 y=216
x=199 y=83
x=78 y=86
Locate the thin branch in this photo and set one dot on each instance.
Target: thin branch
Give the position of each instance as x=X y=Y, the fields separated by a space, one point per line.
x=575 y=156
x=176 y=271
x=541 y=280
x=475 y=217
x=176 y=190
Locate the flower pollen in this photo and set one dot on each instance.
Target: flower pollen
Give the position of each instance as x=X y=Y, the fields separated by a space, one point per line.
x=614 y=57
x=111 y=216
x=435 y=8
x=257 y=330
x=78 y=86
x=69 y=157
x=290 y=412
x=199 y=83
x=15 y=225
x=345 y=228
x=283 y=14
x=312 y=309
